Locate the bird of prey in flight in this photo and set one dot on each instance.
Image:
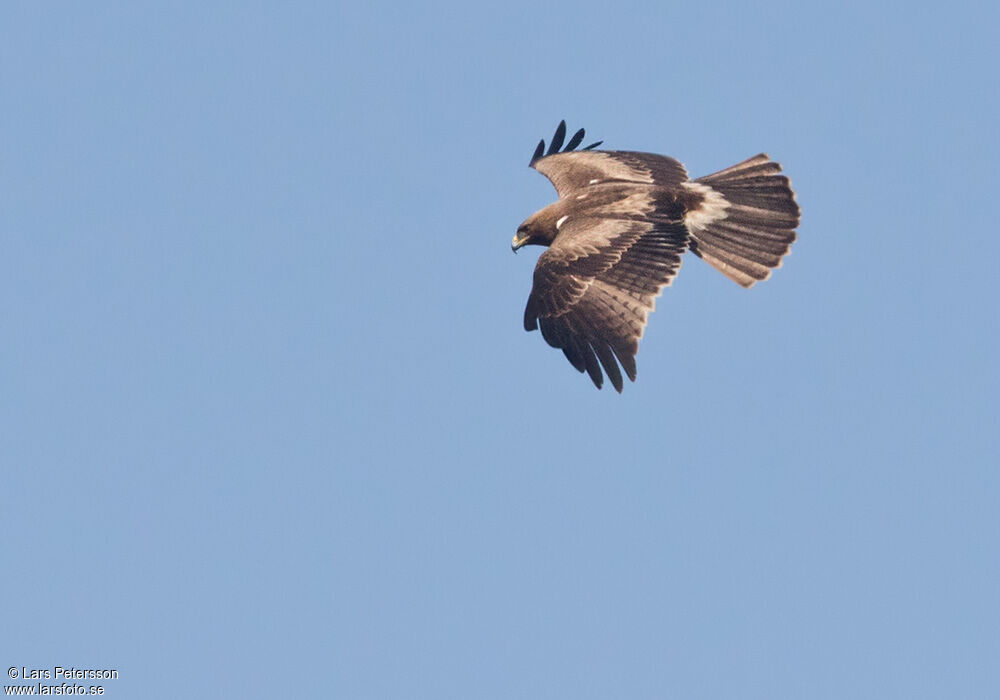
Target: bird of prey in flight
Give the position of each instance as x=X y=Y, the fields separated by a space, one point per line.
x=616 y=234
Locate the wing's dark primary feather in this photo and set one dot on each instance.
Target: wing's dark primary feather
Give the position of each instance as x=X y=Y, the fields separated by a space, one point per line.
x=557 y=138
x=575 y=141
x=539 y=151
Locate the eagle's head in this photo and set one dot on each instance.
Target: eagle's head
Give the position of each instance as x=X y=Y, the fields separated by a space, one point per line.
x=538 y=229
x=522 y=238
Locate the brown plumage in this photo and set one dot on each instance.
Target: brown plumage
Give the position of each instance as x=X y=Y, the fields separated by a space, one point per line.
x=616 y=235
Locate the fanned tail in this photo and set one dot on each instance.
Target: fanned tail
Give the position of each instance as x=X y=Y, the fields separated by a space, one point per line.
x=745 y=221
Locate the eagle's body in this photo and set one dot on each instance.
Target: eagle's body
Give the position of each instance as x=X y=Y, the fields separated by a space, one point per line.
x=617 y=232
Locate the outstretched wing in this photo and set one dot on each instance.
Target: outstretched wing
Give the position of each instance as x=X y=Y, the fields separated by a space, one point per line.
x=570 y=170
x=597 y=283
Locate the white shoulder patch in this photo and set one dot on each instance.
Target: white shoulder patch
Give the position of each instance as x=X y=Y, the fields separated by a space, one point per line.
x=562 y=220
x=712 y=208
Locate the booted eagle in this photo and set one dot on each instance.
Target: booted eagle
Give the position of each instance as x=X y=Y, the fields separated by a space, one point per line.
x=615 y=239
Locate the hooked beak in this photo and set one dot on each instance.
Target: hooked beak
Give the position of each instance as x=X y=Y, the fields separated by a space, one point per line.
x=518 y=241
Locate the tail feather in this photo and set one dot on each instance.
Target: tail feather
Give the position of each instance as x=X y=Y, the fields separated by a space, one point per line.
x=744 y=222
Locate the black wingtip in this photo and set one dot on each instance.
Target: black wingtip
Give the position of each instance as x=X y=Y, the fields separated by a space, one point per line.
x=556 y=146
x=575 y=141
x=539 y=152
x=557 y=138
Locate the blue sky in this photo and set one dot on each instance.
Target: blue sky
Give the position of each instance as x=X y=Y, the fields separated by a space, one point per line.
x=270 y=426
